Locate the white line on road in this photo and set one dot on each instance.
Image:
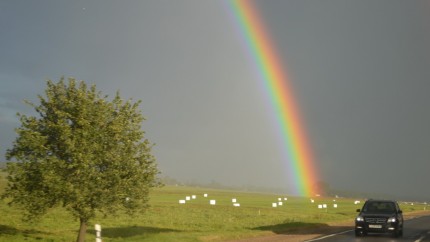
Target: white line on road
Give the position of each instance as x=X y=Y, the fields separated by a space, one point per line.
x=419 y=240
x=422 y=237
x=330 y=235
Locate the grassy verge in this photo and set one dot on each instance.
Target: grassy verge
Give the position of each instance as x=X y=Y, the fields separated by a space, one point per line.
x=167 y=220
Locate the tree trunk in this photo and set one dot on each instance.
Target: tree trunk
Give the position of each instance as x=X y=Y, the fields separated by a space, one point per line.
x=82 y=230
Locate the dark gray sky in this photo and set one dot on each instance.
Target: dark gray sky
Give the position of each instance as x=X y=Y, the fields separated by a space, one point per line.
x=360 y=72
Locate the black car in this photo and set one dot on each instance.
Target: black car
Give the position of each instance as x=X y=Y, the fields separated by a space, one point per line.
x=379 y=216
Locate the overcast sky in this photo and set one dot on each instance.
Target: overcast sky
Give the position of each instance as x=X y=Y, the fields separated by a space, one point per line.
x=360 y=72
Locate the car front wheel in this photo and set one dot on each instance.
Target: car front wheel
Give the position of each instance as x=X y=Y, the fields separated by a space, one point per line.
x=398 y=233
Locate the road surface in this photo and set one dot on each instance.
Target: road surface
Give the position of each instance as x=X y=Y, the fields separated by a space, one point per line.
x=415 y=230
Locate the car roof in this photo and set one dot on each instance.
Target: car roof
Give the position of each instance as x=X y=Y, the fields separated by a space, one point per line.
x=381 y=200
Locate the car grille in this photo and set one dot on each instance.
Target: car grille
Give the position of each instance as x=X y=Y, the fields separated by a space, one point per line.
x=375 y=220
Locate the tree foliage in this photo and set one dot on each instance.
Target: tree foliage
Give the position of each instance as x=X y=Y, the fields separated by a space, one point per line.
x=83 y=152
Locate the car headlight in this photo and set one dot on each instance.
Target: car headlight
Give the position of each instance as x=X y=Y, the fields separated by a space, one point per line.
x=359 y=219
x=392 y=220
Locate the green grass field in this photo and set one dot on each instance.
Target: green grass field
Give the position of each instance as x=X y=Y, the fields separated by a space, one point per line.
x=197 y=220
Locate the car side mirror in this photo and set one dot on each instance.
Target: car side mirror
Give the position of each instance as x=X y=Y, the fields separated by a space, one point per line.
x=400 y=211
x=358 y=210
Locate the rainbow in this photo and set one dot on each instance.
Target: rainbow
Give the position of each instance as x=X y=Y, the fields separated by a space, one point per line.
x=259 y=45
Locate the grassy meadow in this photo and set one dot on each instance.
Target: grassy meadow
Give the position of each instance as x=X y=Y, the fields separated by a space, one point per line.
x=197 y=220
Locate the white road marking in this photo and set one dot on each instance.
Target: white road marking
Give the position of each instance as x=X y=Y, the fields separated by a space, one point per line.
x=422 y=237
x=330 y=235
x=419 y=240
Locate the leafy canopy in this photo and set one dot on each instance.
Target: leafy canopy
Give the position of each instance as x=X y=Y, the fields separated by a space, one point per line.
x=83 y=152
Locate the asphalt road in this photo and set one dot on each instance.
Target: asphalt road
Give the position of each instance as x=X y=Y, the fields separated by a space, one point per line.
x=415 y=230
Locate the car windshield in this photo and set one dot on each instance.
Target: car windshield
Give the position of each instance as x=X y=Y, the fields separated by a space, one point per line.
x=379 y=207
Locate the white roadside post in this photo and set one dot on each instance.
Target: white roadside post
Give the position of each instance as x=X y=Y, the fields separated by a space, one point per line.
x=98 y=230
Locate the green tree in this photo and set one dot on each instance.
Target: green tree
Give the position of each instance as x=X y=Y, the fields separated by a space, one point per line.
x=83 y=152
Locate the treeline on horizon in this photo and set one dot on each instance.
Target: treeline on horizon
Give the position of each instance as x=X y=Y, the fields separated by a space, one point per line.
x=329 y=192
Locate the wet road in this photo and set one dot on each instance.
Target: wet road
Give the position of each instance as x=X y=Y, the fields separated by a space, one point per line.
x=415 y=230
